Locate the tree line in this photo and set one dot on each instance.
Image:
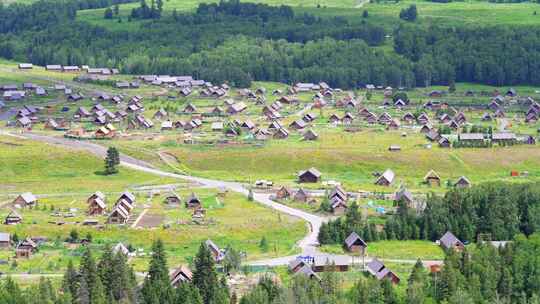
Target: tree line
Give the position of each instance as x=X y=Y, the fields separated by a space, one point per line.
x=277 y=44
x=110 y=279
x=496 y=211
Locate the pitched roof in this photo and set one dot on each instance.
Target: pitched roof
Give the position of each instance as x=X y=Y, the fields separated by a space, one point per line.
x=431 y=174
x=311 y=171
x=449 y=240
x=388 y=175
x=352 y=238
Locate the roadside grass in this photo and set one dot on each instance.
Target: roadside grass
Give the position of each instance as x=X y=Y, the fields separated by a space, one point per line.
x=396 y=250
x=41 y=168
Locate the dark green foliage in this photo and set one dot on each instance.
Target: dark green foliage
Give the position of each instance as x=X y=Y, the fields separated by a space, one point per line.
x=409 y=14
x=156 y=287
x=206 y=280
x=263 y=244
x=111 y=161
x=108 y=14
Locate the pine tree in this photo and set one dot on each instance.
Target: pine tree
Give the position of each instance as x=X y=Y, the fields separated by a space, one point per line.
x=187 y=293
x=205 y=276
x=92 y=283
x=156 y=286
x=111 y=161
x=263 y=244
x=389 y=293
x=71 y=278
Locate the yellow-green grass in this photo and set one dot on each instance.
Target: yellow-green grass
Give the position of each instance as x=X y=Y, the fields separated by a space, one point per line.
x=234 y=221
x=42 y=168
x=351 y=158
x=475 y=13
x=397 y=250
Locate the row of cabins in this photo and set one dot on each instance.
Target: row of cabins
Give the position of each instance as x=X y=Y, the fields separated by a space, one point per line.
x=175 y=81
x=311 y=266
x=23 y=249
x=71 y=68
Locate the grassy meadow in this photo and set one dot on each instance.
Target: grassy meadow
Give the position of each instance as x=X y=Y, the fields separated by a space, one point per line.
x=68 y=176
x=350 y=158
x=459 y=13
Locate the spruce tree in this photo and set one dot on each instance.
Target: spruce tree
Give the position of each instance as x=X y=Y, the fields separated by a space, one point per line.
x=111 y=161
x=92 y=282
x=205 y=276
x=156 y=286
x=70 y=284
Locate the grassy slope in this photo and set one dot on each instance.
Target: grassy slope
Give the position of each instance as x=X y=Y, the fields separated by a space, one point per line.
x=42 y=168
x=386 y=13
x=405 y=250
x=352 y=158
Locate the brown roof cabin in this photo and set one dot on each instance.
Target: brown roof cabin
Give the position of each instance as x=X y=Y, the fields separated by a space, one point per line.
x=25 y=248
x=122 y=210
x=25 y=199
x=334 y=118
x=307 y=271
x=354 y=243
x=338 y=206
x=96 y=203
x=450 y=241
x=339 y=193
x=287 y=99
x=347 y=118
x=380 y=272
x=296 y=264
x=281 y=133
x=393 y=124
x=236 y=108
x=453 y=125
x=426 y=128
x=193 y=202
x=310 y=135
x=462 y=182
x=386 y=179
x=5 y=240
x=339 y=263
x=172 y=199
x=408 y=118
x=444 y=142
x=215 y=251
x=311 y=175
x=283 y=193
x=432 y=179
x=181 y=275
x=119 y=215
x=423 y=119
x=13 y=218
x=190 y=108
x=160 y=114
x=404 y=195
x=301 y=196
x=298 y=124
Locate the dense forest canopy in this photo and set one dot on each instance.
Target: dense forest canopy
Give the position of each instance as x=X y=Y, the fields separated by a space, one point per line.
x=493 y=211
x=276 y=44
